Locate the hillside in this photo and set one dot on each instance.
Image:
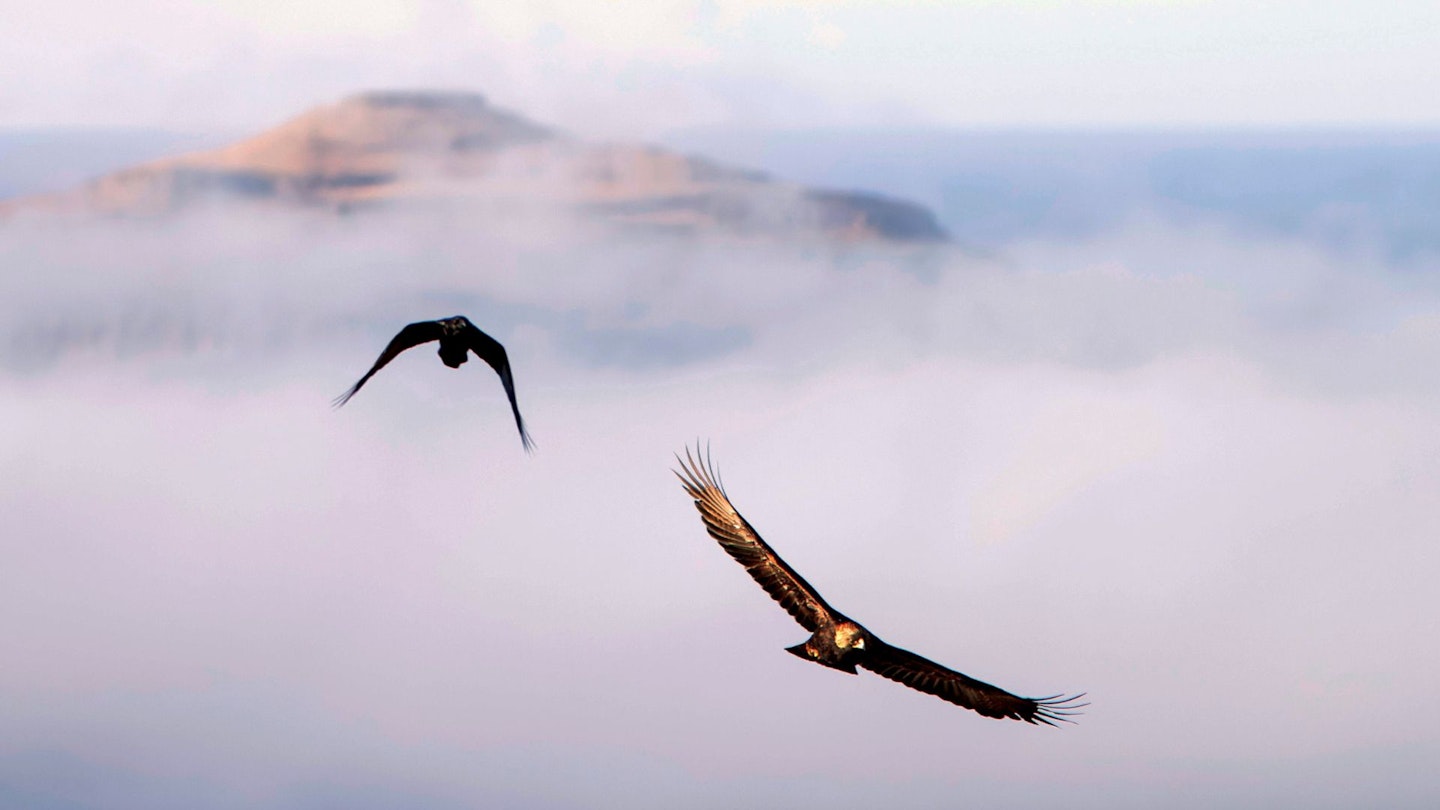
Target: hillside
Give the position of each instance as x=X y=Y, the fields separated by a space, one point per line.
x=387 y=149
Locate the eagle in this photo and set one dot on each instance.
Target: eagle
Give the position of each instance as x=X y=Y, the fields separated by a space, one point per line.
x=457 y=336
x=838 y=642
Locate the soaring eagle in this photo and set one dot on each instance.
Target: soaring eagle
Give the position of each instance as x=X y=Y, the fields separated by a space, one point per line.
x=457 y=336
x=836 y=641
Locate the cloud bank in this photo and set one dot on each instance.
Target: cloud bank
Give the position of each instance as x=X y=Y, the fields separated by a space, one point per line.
x=1190 y=473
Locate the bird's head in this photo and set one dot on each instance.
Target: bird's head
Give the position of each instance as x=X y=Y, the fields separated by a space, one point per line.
x=850 y=636
x=452 y=357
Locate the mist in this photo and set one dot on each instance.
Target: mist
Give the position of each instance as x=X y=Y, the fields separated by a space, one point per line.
x=1189 y=471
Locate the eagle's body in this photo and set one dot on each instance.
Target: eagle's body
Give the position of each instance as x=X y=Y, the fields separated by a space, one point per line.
x=836 y=644
x=457 y=337
x=835 y=640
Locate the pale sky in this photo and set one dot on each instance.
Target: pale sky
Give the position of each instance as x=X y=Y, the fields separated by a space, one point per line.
x=648 y=67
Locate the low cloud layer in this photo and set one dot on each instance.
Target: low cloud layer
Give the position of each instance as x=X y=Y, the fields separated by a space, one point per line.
x=1191 y=474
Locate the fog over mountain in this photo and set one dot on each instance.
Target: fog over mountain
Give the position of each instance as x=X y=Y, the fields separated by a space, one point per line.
x=1188 y=468
x=457 y=153
x=35 y=161
x=1348 y=190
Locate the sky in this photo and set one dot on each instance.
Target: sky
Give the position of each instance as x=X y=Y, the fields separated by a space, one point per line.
x=1185 y=466
x=645 y=68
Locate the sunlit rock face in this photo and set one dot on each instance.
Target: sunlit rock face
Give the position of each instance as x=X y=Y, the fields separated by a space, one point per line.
x=456 y=150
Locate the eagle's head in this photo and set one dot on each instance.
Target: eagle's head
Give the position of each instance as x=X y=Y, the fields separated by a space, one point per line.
x=850 y=636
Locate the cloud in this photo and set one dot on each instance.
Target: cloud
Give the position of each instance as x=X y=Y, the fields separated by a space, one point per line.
x=1133 y=465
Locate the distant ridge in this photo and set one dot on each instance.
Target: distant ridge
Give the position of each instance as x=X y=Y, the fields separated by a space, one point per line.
x=386 y=149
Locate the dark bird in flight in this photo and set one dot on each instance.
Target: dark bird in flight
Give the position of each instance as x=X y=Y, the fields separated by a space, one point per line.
x=836 y=641
x=457 y=336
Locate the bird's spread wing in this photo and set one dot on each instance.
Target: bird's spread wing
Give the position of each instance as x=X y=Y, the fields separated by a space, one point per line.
x=409 y=337
x=743 y=543
x=490 y=350
x=991 y=701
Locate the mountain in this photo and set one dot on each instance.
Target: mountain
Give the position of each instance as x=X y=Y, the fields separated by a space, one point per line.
x=391 y=149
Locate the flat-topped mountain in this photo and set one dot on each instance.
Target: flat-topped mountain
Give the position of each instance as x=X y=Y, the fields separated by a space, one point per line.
x=386 y=149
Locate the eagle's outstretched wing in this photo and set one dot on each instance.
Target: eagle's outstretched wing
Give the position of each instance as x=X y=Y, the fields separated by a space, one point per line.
x=742 y=542
x=490 y=350
x=927 y=676
x=409 y=337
